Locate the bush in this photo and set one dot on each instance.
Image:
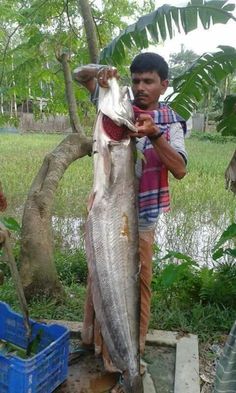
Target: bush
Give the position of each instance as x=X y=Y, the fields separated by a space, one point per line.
x=218 y=286
x=180 y=280
x=72 y=266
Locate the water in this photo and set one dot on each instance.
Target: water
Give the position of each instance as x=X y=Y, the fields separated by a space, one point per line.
x=194 y=237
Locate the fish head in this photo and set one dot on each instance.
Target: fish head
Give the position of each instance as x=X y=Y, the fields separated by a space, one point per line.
x=126 y=114
x=115 y=104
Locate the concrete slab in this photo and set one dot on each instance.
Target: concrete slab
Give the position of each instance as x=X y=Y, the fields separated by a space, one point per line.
x=185 y=367
x=148 y=384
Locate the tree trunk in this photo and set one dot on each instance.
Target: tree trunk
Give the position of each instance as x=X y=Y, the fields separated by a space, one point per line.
x=37 y=268
x=38 y=272
x=90 y=30
x=72 y=106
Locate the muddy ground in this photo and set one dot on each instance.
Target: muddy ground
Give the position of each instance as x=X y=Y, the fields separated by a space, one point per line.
x=87 y=375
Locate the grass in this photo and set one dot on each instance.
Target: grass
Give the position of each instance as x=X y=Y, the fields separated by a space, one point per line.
x=200 y=191
x=209 y=322
x=201 y=210
x=21 y=158
x=203 y=189
x=70 y=309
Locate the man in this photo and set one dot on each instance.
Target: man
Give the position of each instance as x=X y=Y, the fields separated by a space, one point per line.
x=160 y=138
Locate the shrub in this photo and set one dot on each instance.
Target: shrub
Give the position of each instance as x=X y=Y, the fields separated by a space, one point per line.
x=72 y=266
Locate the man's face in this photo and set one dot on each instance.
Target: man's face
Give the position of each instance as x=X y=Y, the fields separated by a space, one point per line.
x=147 y=88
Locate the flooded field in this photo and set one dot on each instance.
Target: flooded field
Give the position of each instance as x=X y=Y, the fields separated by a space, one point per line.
x=194 y=238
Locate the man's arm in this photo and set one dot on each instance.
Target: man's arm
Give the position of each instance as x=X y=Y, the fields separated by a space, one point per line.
x=173 y=161
x=91 y=74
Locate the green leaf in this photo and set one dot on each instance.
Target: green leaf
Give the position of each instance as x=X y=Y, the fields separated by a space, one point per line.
x=227 y=121
x=228 y=234
x=180 y=256
x=205 y=72
x=163 y=19
x=218 y=254
x=10 y=223
x=175 y=16
x=169 y=24
x=162 y=26
x=227 y=126
x=153 y=32
x=169 y=275
x=231 y=252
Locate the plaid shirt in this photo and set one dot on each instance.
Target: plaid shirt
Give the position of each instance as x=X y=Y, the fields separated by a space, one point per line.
x=154 y=195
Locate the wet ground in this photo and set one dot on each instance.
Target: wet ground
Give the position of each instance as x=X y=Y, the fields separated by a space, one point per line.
x=161 y=366
x=87 y=374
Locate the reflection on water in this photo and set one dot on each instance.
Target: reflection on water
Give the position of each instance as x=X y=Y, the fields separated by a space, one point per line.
x=194 y=237
x=68 y=232
x=176 y=232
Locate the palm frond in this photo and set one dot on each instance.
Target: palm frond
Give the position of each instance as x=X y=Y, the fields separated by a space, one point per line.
x=163 y=22
x=206 y=72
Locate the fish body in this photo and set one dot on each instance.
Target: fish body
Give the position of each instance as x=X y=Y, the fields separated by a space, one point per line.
x=112 y=240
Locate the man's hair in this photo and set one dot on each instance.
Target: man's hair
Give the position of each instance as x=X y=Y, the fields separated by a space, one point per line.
x=149 y=61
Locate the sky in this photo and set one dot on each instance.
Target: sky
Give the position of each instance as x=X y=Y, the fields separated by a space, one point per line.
x=199 y=40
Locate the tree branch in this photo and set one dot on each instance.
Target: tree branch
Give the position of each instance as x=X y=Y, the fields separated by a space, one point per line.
x=68 y=18
x=90 y=30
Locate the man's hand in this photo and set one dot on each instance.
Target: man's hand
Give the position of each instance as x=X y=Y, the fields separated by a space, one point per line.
x=145 y=127
x=89 y=75
x=106 y=73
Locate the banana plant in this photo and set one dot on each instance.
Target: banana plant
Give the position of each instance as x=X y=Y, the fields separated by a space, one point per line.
x=156 y=26
x=162 y=23
x=227 y=121
x=207 y=71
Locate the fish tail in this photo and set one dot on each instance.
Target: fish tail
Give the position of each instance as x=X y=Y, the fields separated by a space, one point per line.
x=133 y=384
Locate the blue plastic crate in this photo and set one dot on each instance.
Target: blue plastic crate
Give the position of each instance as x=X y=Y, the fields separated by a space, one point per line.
x=41 y=373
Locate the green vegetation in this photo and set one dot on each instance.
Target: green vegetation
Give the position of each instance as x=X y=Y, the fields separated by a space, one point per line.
x=21 y=158
x=202 y=189
x=189 y=296
x=195 y=298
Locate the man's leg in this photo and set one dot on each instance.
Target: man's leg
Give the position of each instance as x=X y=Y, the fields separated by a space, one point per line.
x=146 y=239
x=89 y=315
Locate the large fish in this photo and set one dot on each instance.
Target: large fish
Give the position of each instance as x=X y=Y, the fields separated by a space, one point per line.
x=112 y=235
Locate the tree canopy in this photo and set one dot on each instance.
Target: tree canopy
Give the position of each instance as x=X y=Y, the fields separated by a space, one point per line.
x=32 y=32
